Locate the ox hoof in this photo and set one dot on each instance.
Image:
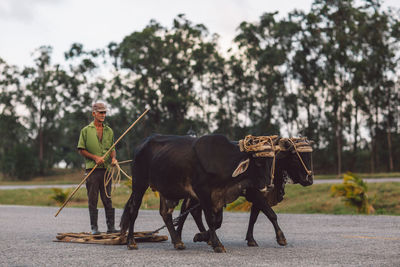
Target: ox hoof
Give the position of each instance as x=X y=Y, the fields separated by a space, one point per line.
x=179 y=246
x=281 y=241
x=252 y=243
x=280 y=238
x=220 y=249
x=201 y=237
x=132 y=247
x=196 y=238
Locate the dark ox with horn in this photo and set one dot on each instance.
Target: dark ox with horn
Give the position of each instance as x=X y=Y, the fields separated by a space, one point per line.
x=294 y=161
x=210 y=169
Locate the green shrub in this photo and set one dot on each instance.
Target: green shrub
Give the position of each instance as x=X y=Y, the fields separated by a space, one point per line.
x=354 y=193
x=60 y=195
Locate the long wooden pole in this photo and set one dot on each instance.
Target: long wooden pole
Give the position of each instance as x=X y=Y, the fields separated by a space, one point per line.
x=109 y=150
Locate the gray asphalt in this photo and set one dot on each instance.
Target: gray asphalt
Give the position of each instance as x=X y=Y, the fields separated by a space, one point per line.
x=27 y=234
x=325 y=181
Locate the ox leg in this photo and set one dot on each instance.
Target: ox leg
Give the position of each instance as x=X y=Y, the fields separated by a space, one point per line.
x=280 y=237
x=214 y=221
x=258 y=200
x=184 y=207
x=134 y=210
x=251 y=242
x=166 y=209
x=187 y=204
x=131 y=243
x=213 y=238
x=213 y=218
x=203 y=235
x=269 y=212
x=196 y=213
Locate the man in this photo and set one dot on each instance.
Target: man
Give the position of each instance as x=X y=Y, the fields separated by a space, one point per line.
x=94 y=141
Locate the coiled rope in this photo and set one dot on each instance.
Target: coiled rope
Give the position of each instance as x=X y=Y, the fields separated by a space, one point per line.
x=113 y=174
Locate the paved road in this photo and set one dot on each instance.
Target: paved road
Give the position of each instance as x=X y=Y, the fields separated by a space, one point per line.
x=326 y=181
x=26 y=235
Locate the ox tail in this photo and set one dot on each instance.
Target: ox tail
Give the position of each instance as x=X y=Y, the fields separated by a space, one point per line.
x=127 y=215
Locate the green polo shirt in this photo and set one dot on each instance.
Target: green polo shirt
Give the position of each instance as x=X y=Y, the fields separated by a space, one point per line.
x=89 y=141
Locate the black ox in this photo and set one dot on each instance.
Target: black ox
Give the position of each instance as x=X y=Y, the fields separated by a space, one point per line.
x=294 y=161
x=210 y=169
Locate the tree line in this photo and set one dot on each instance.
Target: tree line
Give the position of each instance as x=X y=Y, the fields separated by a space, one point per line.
x=329 y=74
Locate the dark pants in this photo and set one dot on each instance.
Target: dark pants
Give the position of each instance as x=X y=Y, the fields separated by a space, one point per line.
x=94 y=185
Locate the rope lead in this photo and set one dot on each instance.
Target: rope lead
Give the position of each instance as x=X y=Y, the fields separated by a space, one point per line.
x=113 y=174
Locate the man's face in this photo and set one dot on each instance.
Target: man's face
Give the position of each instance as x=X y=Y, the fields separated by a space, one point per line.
x=99 y=116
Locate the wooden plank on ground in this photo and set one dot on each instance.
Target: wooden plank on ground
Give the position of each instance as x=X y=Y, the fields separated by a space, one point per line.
x=108 y=239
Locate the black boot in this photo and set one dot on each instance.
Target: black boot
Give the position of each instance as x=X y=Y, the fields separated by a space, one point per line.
x=110 y=219
x=93 y=221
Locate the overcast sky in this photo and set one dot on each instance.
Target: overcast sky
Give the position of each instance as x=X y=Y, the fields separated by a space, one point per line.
x=27 y=24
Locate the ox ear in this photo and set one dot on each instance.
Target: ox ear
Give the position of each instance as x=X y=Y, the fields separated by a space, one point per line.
x=217 y=155
x=241 y=168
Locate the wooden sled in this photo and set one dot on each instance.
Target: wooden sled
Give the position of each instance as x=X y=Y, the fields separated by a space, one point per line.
x=108 y=239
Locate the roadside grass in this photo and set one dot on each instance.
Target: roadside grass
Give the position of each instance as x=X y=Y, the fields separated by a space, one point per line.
x=38 y=197
x=361 y=175
x=58 y=176
x=313 y=199
x=75 y=176
x=317 y=199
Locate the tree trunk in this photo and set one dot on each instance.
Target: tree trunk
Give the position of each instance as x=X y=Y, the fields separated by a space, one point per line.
x=339 y=143
x=388 y=130
x=339 y=155
x=41 y=143
x=309 y=133
x=372 y=157
x=375 y=154
x=41 y=165
x=355 y=144
x=389 y=140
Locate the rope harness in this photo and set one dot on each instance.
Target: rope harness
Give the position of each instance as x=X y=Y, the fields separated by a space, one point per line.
x=300 y=145
x=261 y=146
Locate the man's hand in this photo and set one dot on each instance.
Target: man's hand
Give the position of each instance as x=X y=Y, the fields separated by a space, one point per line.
x=98 y=160
x=114 y=161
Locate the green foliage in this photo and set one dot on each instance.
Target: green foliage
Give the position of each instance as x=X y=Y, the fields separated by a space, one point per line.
x=354 y=193
x=60 y=195
x=328 y=74
x=17 y=158
x=26 y=163
x=239 y=204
